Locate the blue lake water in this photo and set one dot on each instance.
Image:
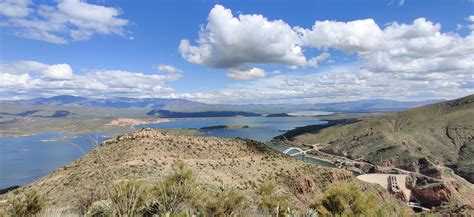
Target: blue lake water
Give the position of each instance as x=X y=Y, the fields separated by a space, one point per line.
x=260 y=128
x=26 y=158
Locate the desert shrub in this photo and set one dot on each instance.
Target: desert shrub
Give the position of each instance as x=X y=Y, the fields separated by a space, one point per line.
x=173 y=194
x=295 y=213
x=227 y=203
x=346 y=199
x=101 y=208
x=310 y=213
x=393 y=207
x=56 y=212
x=82 y=203
x=270 y=199
x=27 y=202
x=3 y=213
x=127 y=197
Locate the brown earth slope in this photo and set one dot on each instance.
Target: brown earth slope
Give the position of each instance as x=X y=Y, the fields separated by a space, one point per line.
x=218 y=162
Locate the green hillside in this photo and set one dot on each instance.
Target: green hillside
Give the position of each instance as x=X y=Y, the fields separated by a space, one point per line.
x=418 y=139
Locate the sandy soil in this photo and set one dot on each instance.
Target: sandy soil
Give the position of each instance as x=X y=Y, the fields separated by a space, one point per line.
x=134 y=121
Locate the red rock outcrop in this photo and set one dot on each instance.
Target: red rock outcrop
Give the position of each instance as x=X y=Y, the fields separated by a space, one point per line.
x=432 y=196
x=336 y=176
x=305 y=185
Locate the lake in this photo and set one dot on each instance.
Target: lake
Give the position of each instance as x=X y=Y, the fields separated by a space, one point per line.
x=260 y=128
x=26 y=158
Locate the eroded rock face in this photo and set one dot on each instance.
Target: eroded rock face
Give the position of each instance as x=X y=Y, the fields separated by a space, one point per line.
x=432 y=196
x=337 y=176
x=305 y=185
x=308 y=184
x=428 y=168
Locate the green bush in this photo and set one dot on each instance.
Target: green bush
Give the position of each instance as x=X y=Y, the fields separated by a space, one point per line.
x=227 y=203
x=271 y=200
x=173 y=194
x=347 y=199
x=27 y=202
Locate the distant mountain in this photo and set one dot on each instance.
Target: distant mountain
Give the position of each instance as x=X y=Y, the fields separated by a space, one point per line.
x=117 y=102
x=171 y=114
x=419 y=139
x=55 y=100
x=183 y=105
x=371 y=105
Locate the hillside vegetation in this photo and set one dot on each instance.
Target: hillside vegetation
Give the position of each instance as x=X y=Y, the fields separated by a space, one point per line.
x=418 y=139
x=235 y=170
x=219 y=162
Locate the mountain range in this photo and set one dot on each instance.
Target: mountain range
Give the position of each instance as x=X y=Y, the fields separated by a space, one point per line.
x=184 y=105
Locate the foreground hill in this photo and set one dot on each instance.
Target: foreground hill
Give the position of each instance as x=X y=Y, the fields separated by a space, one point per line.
x=220 y=165
x=418 y=139
x=218 y=162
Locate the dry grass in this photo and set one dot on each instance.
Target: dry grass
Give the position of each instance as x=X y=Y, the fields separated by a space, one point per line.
x=147 y=155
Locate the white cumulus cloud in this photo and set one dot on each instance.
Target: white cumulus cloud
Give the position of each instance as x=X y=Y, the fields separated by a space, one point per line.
x=245 y=73
x=340 y=83
x=232 y=42
x=168 y=68
x=15 y=8
x=235 y=42
x=68 y=20
x=54 y=72
x=353 y=36
x=59 y=72
x=31 y=79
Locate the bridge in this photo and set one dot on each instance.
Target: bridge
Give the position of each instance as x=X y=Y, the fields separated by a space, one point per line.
x=300 y=151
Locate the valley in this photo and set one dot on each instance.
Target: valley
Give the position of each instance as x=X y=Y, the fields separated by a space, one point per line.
x=192 y=137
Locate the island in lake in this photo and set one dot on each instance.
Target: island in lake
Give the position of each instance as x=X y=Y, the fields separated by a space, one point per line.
x=219 y=127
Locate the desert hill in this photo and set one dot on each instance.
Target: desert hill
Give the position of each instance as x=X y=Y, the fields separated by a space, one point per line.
x=218 y=162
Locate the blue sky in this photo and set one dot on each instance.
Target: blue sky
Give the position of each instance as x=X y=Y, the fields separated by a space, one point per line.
x=131 y=39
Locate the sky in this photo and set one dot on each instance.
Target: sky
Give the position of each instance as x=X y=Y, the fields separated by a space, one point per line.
x=238 y=51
